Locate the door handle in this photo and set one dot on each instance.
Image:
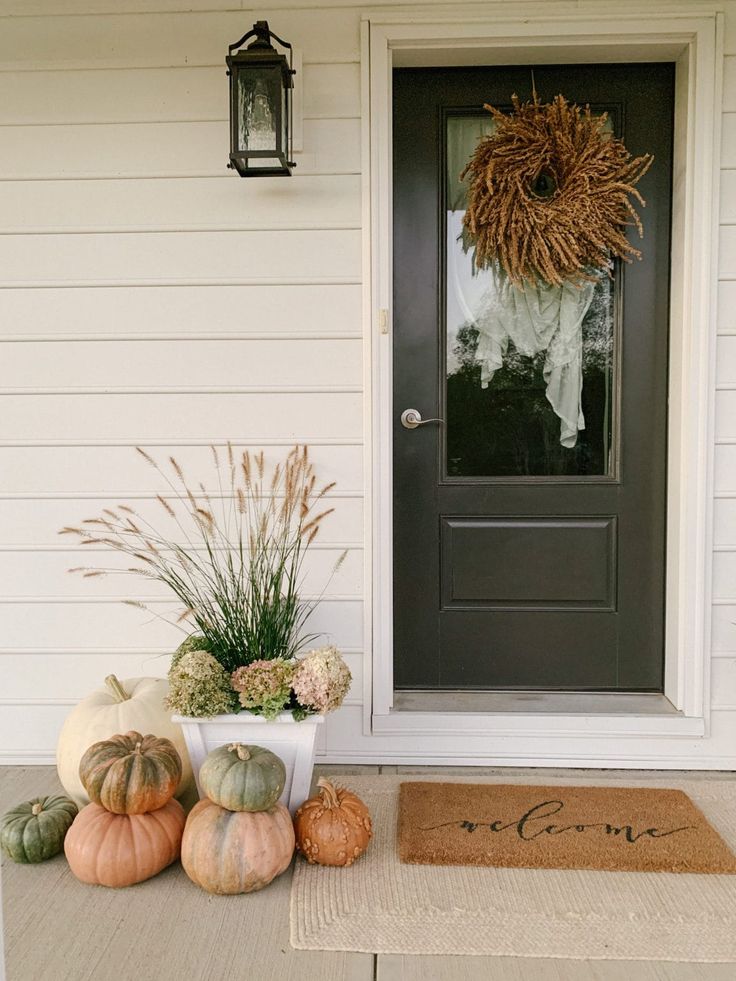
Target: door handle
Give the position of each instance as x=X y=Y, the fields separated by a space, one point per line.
x=411 y=418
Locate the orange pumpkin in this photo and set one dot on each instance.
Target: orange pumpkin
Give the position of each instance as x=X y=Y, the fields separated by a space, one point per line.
x=131 y=773
x=229 y=852
x=118 y=850
x=333 y=828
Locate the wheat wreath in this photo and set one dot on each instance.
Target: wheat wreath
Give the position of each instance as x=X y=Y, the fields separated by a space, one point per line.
x=549 y=194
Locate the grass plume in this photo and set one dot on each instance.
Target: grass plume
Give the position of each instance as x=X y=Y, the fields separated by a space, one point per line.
x=237 y=569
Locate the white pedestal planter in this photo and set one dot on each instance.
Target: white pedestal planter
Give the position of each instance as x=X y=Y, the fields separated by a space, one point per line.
x=292 y=741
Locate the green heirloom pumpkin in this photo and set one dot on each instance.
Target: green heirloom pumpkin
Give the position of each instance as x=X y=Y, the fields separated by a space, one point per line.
x=243 y=778
x=35 y=830
x=130 y=773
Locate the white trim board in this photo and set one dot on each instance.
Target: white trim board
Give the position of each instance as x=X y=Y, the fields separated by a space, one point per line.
x=693 y=39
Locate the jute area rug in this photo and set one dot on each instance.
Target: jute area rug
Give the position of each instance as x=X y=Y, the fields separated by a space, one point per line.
x=381 y=905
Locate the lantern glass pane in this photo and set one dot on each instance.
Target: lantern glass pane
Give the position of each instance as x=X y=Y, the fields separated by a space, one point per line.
x=259 y=109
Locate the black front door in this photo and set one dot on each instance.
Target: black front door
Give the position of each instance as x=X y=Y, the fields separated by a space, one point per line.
x=529 y=524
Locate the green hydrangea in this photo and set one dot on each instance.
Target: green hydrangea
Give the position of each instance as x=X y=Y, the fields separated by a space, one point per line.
x=195 y=642
x=198 y=685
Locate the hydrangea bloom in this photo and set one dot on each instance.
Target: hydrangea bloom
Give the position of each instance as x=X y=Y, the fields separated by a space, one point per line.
x=195 y=642
x=321 y=680
x=264 y=687
x=199 y=686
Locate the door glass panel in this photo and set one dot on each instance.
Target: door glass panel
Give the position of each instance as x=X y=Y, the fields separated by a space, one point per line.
x=530 y=373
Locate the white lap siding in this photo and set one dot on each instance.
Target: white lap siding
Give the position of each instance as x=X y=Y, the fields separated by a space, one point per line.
x=150 y=297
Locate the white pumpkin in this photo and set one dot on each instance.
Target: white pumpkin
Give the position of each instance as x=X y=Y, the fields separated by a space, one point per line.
x=136 y=704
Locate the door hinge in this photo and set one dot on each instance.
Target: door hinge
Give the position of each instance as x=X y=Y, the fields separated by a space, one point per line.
x=383 y=321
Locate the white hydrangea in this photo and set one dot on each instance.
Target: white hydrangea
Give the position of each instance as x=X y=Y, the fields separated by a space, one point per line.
x=321 y=680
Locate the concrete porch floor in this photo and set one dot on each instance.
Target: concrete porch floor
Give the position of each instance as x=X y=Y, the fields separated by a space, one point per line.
x=168 y=930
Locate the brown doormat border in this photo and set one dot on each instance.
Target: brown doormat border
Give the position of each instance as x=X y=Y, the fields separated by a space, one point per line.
x=615 y=829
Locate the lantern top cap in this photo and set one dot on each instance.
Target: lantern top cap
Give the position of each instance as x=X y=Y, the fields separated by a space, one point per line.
x=262 y=34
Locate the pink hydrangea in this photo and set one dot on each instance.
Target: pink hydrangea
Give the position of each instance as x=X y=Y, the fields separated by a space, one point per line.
x=264 y=687
x=321 y=680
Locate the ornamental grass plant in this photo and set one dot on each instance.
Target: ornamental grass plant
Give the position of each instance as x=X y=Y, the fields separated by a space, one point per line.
x=233 y=560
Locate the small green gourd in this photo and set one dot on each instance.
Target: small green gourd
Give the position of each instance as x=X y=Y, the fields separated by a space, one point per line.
x=35 y=830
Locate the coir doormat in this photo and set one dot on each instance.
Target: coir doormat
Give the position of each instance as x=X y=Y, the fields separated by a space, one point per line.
x=622 y=829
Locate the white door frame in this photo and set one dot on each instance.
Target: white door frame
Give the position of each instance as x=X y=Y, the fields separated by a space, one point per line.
x=694 y=41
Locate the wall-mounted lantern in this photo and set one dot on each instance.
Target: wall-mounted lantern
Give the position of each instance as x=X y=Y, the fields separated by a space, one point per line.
x=261 y=82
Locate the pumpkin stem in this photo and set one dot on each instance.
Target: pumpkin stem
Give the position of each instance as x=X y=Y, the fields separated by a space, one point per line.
x=37 y=807
x=242 y=751
x=137 y=747
x=116 y=689
x=329 y=793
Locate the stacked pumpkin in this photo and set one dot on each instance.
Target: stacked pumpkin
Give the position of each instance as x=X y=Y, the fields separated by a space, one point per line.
x=239 y=837
x=132 y=828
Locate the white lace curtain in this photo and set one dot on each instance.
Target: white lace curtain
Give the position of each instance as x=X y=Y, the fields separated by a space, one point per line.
x=539 y=319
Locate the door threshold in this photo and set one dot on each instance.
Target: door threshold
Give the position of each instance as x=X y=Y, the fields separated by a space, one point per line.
x=542 y=702
x=536 y=714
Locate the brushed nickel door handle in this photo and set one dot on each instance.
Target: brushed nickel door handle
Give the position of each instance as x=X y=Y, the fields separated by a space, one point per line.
x=411 y=418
